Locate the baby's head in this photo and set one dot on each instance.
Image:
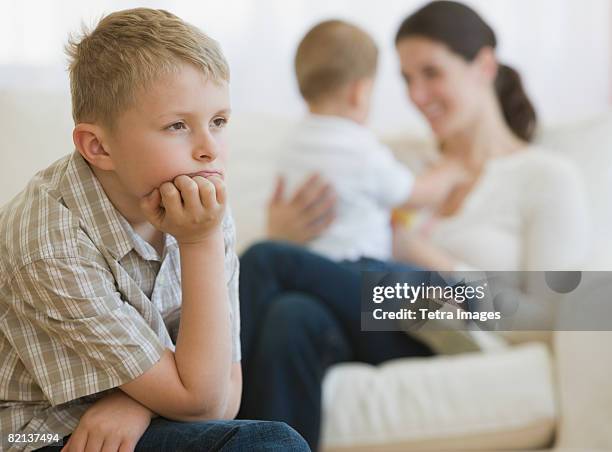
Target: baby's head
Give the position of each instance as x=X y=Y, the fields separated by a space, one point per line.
x=335 y=64
x=150 y=99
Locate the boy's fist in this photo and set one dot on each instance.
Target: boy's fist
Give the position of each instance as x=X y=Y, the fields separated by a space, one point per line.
x=188 y=208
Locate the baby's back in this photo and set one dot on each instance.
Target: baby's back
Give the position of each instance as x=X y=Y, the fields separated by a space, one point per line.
x=367 y=179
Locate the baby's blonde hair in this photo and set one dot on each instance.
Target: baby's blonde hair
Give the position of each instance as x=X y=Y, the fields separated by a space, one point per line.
x=332 y=54
x=128 y=50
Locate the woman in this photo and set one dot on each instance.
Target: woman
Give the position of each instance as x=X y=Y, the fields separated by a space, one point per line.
x=526 y=204
x=521 y=209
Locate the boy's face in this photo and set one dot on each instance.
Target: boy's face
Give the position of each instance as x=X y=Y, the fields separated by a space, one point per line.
x=176 y=126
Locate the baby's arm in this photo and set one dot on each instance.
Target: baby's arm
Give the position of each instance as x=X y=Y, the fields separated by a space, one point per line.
x=198 y=381
x=433 y=185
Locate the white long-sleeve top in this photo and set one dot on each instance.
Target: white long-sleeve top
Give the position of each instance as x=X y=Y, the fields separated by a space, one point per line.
x=368 y=180
x=528 y=211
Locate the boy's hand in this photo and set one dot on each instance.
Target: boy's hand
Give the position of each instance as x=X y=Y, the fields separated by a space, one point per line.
x=114 y=423
x=190 y=209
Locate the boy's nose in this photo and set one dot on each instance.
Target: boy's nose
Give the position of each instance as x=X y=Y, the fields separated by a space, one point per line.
x=205 y=148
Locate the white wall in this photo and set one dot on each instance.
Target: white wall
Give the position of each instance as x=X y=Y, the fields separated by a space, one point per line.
x=562 y=47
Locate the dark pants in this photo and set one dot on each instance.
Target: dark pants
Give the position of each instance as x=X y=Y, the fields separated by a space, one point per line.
x=300 y=313
x=164 y=435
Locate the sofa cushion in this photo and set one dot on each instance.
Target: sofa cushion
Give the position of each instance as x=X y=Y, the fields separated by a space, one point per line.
x=36 y=130
x=502 y=400
x=584 y=366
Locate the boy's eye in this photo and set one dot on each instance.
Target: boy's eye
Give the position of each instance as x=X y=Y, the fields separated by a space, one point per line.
x=180 y=125
x=219 y=122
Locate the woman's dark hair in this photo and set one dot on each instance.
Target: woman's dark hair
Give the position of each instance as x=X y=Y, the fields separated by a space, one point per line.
x=464 y=32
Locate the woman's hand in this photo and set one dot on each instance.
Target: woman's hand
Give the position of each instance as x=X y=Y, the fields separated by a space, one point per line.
x=114 y=423
x=305 y=215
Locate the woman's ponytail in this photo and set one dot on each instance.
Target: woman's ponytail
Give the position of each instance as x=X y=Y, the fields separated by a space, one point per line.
x=516 y=106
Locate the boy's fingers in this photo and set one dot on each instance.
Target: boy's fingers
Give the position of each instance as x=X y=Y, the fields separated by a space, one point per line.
x=94 y=443
x=150 y=205
x=189 y=192
x=66 y=447
x=207 y=191
x=111 y=444
x=219 y=189
x=127 y=446
x=77 y=441
x=171 y=198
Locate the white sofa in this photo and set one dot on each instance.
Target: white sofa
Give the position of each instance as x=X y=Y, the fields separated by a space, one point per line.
x=546 y=390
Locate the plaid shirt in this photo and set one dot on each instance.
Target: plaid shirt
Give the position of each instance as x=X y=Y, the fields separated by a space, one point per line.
x=85 y=303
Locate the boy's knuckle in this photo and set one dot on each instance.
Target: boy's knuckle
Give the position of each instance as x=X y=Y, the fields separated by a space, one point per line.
x=166 y=188
x=190 y=185
x=182 y=181
x=171 y=196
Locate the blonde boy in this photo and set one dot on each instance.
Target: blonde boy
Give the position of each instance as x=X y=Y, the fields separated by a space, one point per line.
x=121 y=242
x=335 y=66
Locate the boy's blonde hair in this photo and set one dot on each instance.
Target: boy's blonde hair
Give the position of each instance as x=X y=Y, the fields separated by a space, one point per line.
x=125 y=52
x=332 y=54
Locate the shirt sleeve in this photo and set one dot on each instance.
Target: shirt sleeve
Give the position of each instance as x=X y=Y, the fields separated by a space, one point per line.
x=557 y=222
x=555 y=236
x=73 y=332
x=395 y=180
x=232 y=271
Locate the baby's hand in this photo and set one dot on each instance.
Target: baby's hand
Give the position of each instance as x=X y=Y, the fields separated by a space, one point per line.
x=191 y=209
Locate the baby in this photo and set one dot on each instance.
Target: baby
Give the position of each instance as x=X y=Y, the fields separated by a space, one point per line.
x=335 y=66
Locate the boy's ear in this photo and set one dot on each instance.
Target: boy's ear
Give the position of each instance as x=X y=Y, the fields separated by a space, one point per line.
x=88 y=141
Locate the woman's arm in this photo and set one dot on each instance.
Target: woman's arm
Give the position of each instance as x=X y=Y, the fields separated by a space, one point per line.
x=557 y=220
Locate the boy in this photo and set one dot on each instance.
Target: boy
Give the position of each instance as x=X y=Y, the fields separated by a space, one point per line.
x=335 y=65
x=112 y=247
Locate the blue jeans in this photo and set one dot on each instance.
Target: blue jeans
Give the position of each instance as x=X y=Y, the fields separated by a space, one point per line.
x=300 y=314
x=164 y=435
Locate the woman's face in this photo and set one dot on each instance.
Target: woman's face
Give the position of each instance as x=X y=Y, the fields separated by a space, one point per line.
x=445 y=88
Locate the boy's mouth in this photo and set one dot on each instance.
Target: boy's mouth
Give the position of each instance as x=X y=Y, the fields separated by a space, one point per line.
x=208 y=174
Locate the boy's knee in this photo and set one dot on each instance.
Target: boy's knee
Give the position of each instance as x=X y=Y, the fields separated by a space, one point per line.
x=264 y=435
